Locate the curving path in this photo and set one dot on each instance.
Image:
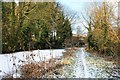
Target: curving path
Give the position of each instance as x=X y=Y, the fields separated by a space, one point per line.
x=88 y=66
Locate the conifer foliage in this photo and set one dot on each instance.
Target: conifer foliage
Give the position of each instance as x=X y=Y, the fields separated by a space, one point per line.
x=29 y=25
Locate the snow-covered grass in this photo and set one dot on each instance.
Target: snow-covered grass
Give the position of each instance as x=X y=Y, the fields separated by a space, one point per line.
x=10 y=62
x=82 y=64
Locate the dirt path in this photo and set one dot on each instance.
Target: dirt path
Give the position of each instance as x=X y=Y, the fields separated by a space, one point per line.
x=87 y=66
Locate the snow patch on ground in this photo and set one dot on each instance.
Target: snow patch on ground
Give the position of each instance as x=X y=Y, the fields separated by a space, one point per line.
x=9 y=62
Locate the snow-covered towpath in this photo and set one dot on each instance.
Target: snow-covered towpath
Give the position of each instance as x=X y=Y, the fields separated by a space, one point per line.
x=87 y=66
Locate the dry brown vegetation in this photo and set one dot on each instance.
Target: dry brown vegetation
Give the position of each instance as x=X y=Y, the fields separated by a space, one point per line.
x=44 y=69
x=69 y=52
x=38 y=70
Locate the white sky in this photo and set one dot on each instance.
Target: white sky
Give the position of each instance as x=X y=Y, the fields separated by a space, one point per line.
x=80 y=6
x=77 y=6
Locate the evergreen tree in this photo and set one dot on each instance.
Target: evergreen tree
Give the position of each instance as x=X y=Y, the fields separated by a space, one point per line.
x=32 y=25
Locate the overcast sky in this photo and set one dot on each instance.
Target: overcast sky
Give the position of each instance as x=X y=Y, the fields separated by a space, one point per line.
x=80 y=6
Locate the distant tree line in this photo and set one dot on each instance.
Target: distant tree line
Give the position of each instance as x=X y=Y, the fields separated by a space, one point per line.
x=29 y=25
x=75 y=41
